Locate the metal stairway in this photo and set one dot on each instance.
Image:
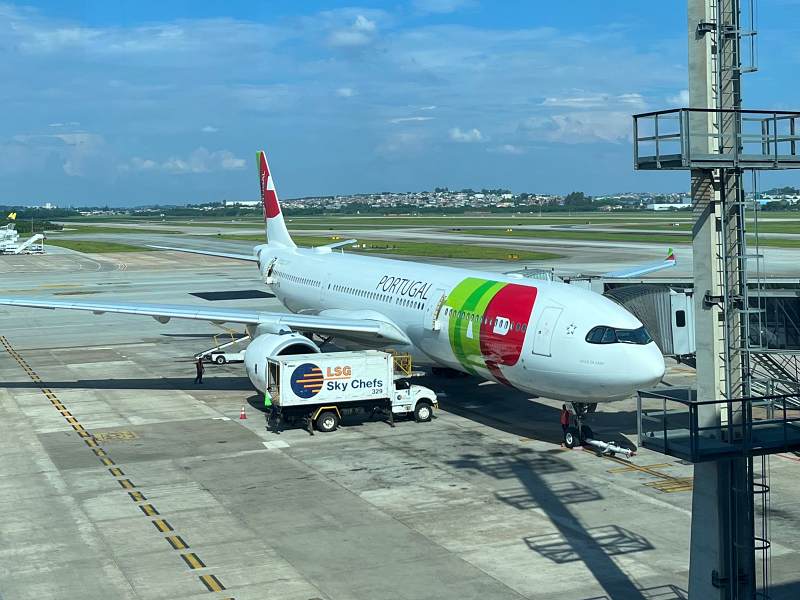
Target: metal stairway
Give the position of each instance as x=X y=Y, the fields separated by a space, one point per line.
x=38 y=237
x=222 y=345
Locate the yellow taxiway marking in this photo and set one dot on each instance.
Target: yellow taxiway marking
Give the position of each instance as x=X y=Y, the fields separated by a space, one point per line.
x=177 y=542
x=210 y=581
x=162 y=525
x=666 y=483
x=193 y=561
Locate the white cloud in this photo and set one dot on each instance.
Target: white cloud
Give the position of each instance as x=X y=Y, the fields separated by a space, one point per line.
x=199 y=161
x=401 y=143
x=680 y=99
x=75 y=149
x=410 y=119
x=209 y=129
x=466 y=136
x=360 y=33
x=507 y=149
x=429 y=107
x=345 y=92
x=596 y=101
x=442 y=6
x=580 y=127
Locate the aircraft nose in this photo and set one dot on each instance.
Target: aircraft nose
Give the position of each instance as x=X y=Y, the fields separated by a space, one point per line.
x=650 y=367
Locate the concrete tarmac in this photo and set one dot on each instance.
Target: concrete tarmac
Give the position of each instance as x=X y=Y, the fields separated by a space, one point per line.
x=121 y=478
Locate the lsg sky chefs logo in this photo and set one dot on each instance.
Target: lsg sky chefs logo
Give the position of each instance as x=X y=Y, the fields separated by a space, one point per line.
x=307 y=380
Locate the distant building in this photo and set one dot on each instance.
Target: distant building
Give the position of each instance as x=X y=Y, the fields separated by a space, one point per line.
x=242 y=203
x=665 y=206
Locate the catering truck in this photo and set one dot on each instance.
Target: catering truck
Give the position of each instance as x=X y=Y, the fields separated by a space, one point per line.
x=322 y=388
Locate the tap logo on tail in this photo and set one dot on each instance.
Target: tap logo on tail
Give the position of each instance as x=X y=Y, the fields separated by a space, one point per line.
x=268 y=195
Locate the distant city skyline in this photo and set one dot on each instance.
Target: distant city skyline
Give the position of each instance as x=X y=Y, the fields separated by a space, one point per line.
x=166 y=103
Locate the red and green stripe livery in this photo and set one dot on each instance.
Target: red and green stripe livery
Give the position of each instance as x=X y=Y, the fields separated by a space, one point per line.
x=487 y=324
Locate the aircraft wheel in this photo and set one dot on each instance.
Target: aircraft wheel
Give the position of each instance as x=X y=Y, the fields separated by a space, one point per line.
x=220 y=360
x=327 y=421
x=571 y=438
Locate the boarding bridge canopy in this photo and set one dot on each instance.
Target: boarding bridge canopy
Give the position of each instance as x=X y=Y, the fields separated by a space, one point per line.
x=680 y=138
x=669 y=423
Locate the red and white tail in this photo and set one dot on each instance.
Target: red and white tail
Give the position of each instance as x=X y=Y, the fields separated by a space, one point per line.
x=276 y=227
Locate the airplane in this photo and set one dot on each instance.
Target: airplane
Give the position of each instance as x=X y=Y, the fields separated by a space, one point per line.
x=546 y=338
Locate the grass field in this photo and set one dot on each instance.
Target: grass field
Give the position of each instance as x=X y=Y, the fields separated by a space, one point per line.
x=678 y=237
x=94 y=247
x=431 y=249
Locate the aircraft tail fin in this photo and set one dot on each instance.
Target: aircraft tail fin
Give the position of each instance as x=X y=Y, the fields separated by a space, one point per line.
x=276 y=227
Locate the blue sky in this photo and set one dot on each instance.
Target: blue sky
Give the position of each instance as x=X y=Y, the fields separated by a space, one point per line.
x=135 y=103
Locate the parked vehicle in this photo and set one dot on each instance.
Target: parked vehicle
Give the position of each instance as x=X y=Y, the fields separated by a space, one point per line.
x=322 y=388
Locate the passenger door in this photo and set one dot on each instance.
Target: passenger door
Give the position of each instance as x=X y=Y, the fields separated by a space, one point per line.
x=545 y=327
x=433 y=310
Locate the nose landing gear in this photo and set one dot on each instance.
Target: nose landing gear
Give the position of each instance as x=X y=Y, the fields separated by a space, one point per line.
x=582 y=435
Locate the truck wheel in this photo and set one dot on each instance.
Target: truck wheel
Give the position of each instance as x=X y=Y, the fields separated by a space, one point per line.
x=423 y=411
x=220 y=360
x=571 y=438
x=327 y=421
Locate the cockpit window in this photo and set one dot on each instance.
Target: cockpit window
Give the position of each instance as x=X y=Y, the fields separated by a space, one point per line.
x=634 y=336
x=610 y=335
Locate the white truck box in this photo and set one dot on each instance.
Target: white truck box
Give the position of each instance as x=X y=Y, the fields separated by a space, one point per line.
x=331 y=378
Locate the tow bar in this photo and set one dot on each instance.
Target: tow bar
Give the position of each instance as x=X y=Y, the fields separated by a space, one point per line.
x=608 y=448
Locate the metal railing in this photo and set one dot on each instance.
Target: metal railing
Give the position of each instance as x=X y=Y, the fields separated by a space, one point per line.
x=669 y=422
x=686 y=138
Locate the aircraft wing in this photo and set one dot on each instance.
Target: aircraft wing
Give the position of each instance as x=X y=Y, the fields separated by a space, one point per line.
x=247 y=257
x=668 y=262
x=376 y=328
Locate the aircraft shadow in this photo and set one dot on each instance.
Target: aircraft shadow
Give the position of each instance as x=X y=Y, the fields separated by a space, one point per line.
x=573 y=541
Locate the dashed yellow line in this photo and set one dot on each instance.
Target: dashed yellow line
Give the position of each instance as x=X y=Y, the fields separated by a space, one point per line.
x=162 y=525
x=193 y=561
x=177 y=542
x=149 y=510
x=210 y=581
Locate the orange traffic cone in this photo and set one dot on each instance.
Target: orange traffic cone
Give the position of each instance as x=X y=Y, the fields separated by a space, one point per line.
x=242 y=414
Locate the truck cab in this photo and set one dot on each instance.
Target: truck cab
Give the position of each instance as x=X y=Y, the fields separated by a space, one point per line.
x=417 y=399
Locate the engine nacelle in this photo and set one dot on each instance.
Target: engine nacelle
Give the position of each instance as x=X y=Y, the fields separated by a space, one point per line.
x=270 y=345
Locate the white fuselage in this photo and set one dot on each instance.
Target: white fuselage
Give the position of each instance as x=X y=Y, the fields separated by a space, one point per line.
x=529 y=334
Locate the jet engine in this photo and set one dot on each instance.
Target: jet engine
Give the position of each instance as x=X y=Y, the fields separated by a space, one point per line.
x=270 y=345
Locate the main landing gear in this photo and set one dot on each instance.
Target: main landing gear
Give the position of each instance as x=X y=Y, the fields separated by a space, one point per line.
x=581 y=434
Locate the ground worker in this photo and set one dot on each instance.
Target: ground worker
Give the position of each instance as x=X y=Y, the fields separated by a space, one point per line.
x=565 y=417
x=200 y=367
